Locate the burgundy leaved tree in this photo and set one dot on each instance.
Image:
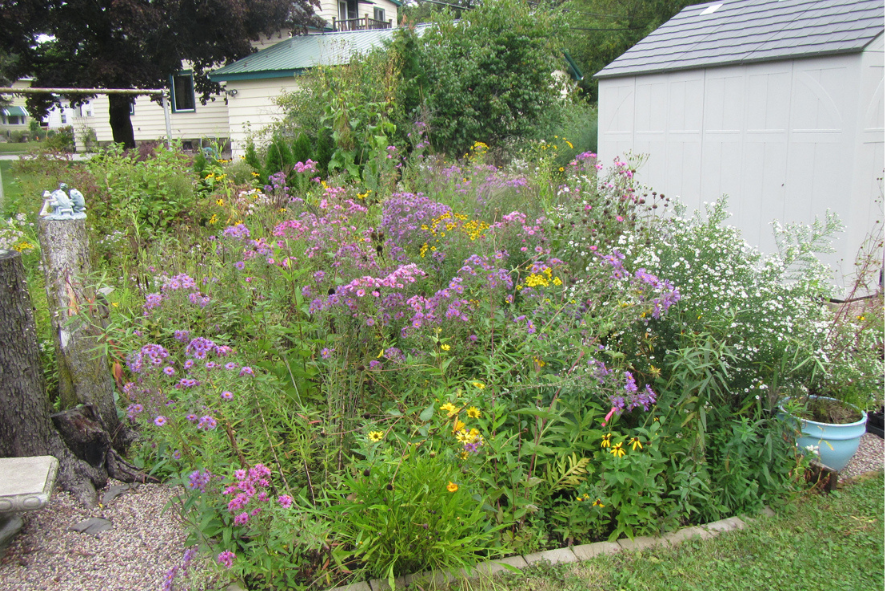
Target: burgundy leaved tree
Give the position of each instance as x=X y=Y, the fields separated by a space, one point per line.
x=135 y=43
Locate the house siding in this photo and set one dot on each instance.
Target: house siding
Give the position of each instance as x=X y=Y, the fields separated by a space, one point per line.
x=254 y=108
x=785 y=140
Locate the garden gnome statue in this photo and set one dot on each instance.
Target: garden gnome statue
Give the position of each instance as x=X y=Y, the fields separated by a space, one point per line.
x=58 y=205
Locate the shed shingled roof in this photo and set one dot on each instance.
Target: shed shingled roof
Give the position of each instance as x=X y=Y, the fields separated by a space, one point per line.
x=747 y=31
x=300 y=53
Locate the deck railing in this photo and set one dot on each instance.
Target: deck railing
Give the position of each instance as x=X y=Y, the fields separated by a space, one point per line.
x=359 y=24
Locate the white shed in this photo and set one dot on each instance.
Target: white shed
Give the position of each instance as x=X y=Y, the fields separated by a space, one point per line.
x=776 y=103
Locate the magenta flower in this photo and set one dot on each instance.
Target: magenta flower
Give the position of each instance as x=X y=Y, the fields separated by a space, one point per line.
x=285 y=501
x=227 y=558
x=241 y=519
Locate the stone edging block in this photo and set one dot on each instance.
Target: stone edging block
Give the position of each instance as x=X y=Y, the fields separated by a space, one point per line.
x=641 y=543
x=558 y=556
x=588 y=551
x=724 y=525
x=687 y=533
x=26 y=483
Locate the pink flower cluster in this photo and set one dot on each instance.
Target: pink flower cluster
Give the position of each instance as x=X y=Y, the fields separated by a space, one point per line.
x=251 y=485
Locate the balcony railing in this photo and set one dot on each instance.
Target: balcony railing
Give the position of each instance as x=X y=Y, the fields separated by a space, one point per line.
x=359 y=24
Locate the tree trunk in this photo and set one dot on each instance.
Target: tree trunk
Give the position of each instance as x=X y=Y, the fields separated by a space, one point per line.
x=26 y=429
x=83 y=374
x=121 y=124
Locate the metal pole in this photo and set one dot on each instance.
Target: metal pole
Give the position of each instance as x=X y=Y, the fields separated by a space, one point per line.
x=11 y=90
x=166 y=117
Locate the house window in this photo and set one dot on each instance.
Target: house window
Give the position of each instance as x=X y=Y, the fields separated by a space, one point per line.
x=342 y=11
x=86 y=109
x=379 y=14
x=64 y=117
x=183 y=92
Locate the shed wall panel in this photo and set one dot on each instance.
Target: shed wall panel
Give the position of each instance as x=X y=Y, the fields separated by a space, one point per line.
x=254 y=108
x=785 y=140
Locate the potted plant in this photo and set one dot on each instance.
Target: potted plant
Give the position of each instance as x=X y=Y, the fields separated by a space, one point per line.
x=841 y=373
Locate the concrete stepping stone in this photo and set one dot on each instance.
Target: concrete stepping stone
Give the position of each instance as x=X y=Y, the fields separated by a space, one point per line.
x=25 y=485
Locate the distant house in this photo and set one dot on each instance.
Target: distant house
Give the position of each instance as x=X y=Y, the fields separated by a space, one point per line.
x=253 y=83
x=778 y=104
x=14 y=118
x=231 y=114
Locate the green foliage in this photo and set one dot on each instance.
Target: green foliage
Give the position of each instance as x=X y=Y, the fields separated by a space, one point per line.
x=62 y=140
x=279 y=157
x=302 y=150
x=602 y=30
x=409 y=513
x=251 y=156
x=489 y=74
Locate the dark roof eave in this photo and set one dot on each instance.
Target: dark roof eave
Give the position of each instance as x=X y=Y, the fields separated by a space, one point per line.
x=263 y=75
x=741 y=62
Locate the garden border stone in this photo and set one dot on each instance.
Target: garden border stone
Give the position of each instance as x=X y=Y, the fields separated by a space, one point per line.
x=561 y=555
x=558 y=556
x=641 y=543
x=588 y=551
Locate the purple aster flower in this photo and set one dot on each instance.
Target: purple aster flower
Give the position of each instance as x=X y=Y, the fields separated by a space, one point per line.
x=241 y=519
x=326 y=353
x=160 y=420
x=169 y=371
x=227 y=395
x=231 y=365
x=207 y=423
x=285 y=501
x=246 y=371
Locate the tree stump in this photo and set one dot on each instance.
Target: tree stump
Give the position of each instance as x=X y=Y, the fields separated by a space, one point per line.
x=84 y=377
x=26 y=428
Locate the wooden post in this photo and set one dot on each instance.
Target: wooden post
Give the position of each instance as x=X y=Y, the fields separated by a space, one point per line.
x=84 y=375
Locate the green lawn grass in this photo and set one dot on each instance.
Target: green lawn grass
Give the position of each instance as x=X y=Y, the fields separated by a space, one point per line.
x=11 y=189
x=18 y=147
x=814 y=543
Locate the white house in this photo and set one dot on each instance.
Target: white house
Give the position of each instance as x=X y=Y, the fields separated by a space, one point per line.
x=778 y=104
x=223 y=117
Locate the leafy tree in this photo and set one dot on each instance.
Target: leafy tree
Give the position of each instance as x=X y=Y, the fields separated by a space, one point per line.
x=602 y=30
x=489 y=74
x=135 y=43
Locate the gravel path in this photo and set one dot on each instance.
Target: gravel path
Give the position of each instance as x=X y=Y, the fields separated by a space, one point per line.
x=145 y=543
x=868 y=458
x=135 y=555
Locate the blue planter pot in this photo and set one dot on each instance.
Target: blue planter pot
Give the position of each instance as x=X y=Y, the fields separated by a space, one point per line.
x=836 y=443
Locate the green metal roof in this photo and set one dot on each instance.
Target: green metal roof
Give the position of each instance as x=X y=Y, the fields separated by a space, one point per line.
x=297 y=54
